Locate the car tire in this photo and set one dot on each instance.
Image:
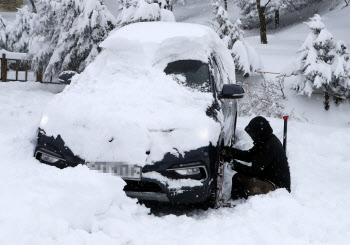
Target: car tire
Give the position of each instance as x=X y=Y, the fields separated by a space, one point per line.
x=212 y=199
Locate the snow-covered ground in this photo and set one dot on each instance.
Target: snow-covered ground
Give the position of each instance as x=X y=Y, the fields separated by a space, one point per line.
x=44 y=205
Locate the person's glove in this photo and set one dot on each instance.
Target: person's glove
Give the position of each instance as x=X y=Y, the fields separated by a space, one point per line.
x=226 y=151
x=233 y=164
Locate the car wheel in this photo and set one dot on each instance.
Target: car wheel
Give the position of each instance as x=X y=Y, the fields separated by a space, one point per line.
x=212 y=199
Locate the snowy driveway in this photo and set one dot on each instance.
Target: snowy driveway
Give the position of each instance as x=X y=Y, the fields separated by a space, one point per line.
x=44 y=205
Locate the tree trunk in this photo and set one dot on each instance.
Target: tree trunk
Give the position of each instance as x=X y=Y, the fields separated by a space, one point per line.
x=33 y=6
x=262 y=18
x=326 y=101
x=225 y=5
x=277 y=19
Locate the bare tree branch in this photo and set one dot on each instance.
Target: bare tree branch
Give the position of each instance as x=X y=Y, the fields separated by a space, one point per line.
x=33 y=5
x=267 y=3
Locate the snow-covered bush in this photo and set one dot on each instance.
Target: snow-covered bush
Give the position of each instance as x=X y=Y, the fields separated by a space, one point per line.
x=264 y=99
x=245 y=57
x=132 y=11
x=3 y=38
x=19 y=31
x=322 y=65
x=66 y=34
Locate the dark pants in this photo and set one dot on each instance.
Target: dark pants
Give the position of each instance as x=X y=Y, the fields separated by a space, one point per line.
x=244 y=186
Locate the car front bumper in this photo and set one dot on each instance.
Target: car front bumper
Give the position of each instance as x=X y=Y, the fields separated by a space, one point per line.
x=154 y=190
x=147 y=189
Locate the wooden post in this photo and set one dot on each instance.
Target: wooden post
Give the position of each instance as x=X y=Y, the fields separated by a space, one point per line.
x=26 y=71
x=39 y=75
x=17 y=65
x=4 y=68
x=277 y=19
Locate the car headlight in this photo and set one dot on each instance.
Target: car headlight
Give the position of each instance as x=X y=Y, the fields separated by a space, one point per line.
x=188 y=171
x=47 y=156
x=196 y=170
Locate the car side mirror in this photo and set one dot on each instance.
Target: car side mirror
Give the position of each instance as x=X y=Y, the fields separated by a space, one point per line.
x=232 y=91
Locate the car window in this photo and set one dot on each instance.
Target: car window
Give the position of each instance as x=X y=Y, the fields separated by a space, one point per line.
x=190 y=73
x=224 y=78
x=217 y=73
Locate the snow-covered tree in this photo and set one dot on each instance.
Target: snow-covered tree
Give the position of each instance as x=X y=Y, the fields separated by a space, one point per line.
x=66 y=34
x=171 y=3
x=19 y=31
x=44 y=35
x=341 y=72
x=245 y=57
x=3 y=38
x=322 y=64
x=132 y=11
x=84 y=24
x=261 y=12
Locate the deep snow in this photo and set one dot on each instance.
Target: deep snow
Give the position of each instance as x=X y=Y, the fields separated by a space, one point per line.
x=45 y=205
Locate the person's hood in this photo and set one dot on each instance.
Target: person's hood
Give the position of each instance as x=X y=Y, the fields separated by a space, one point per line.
x=259 y=129
x=117 y=111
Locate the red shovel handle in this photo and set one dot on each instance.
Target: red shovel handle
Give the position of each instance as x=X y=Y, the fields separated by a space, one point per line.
x=285 y=132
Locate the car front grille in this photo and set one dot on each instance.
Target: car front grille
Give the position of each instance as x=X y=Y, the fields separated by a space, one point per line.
x=140 y=186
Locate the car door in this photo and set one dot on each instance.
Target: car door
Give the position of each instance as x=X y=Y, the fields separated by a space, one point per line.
x=228 y=107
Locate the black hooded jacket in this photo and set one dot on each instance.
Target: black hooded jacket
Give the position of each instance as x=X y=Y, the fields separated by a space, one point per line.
x=268 y=158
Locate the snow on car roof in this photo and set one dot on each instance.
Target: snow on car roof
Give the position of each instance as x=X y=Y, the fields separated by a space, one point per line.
x=157 y=32
x=163 y=42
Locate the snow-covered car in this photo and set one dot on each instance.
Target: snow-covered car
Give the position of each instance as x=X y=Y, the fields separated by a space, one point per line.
x=155 y=107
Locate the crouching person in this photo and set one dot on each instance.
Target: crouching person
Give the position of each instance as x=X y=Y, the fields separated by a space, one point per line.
x=269 y=168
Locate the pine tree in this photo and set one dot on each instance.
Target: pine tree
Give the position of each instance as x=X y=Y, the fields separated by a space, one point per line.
x=3 y=37
x=171 y=3
x=232 y=35
x=264 y=11
x=341 y=72
x=132 y=11
x=66 y=34
x=19 y=31
x=322 y=63
x=44 y=35
x=84 y=25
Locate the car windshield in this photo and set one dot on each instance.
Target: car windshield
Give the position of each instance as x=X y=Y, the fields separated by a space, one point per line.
x=190 y=73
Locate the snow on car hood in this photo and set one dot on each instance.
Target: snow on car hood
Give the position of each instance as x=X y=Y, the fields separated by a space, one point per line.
x=113 y=112
x=124 y=105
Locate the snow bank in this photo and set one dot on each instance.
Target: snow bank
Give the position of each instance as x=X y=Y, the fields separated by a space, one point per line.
x=45 y=205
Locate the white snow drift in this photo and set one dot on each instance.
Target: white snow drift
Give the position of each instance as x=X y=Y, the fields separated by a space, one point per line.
x=43 y=205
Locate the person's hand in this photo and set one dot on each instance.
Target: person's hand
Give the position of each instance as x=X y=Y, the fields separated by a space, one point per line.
x=233 y=164
x=226 y=151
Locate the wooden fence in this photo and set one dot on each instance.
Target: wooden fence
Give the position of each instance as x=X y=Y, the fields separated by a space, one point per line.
x=15 y=69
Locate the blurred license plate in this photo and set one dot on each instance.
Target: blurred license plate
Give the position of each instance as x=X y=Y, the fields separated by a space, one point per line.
x=123 y=170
